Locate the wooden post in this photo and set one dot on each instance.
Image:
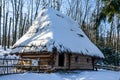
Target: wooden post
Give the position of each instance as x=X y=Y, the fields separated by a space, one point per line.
x=93 y=63
x=7 y=65
x=69 y=60
x=21 y=66
x=54 y=53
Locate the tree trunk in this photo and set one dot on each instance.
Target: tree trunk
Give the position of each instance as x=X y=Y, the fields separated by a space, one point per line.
x=3 y=36
x=5 y=39
x=23 y=26
x=9 y=33
x=0 y=20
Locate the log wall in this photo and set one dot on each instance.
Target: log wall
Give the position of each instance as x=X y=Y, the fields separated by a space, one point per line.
x=78 y=61
x=71 y=61
x=37 y=59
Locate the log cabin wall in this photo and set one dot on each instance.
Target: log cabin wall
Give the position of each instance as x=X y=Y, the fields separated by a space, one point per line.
x=74 y=61
x=71 y=61
x=43 y=58
x=77 y=61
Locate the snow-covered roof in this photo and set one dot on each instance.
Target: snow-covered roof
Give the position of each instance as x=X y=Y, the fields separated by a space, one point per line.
x=3 y=52
x=7 y=53
x=53 y=29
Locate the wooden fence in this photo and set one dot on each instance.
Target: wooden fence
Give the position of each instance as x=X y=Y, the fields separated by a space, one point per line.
x=108 y=67
x=11 y=66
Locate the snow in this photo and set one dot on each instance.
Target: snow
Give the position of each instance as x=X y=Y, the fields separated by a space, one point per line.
x=3 y=52
x=53 y=29
x=6 y=52
x=73 y=75
x=8 y=56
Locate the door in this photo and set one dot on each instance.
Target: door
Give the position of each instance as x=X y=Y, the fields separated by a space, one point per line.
x=61 y=60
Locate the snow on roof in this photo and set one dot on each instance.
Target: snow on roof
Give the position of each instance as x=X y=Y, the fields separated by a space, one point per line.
x=6 y=52
x=53 y=29
x=3 y=52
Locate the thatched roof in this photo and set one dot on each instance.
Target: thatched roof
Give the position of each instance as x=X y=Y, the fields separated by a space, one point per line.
x=53 y=29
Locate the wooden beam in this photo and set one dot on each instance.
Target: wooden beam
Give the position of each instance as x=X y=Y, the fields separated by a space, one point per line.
x=34 y=56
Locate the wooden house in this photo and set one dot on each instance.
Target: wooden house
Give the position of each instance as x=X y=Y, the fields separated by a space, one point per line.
x=56 y=41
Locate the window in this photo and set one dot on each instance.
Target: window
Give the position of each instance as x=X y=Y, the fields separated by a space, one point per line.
x=76 y=59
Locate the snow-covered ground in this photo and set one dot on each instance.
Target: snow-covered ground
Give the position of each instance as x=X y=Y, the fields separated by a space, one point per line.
x=75 y=75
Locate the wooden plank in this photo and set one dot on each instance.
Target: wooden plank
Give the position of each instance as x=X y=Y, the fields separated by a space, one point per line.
x=34 y=56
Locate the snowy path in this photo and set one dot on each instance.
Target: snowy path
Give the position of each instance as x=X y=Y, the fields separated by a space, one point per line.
x=79 y=75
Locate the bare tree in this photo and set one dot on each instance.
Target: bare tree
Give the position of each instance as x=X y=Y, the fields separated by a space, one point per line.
x=21 y=18
x=13 y=20
x=9 y=31
x=3 y=40
x=96 y=21
x=31 y=18
x=37 y=4
x=0 y=20
x=23 y=26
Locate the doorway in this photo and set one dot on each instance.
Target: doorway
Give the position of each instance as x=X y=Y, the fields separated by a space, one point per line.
x=61 y=60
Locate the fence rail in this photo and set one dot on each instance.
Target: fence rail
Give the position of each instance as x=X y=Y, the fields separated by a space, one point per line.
x=108 y=67
x=11 y=66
